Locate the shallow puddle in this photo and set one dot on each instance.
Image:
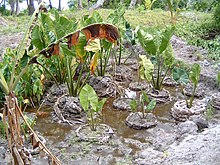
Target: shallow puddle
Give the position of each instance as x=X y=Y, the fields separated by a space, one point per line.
x=55 y=132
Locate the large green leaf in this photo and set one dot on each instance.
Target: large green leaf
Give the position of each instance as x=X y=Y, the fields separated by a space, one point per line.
x=195 y=73
x=146 y=68
x=168 y=56
x=37 y=37
x=79 y=48
x=147 y=42
x=88 y=98
x=180 y=76
x=151 y=105
x=166 y=36
x=100 y=104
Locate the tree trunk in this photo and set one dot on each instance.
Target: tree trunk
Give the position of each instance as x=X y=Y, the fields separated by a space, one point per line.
x=80 y=6
x=17 y=7
x=50 y=4
x=31 y=8
x=132 y=4
x=59 y=7
x=97 y=5
x=12 y=6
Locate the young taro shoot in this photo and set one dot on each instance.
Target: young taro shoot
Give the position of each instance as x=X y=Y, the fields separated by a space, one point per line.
x=181 y=76
x=91 y=104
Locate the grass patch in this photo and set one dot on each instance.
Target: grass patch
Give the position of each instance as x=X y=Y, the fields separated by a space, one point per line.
x=194 y=27
x=14 y=24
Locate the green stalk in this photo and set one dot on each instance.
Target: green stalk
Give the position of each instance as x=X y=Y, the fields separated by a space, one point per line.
x=79 y=80
x=158 y=76
x=161 y=82
x=59 y=70
x=120 y=52
x=92 y=120
x=69 y=80
x=187 y=103
x=107 y=59
x=192 y=97
x=153 y=81
x=101 y=67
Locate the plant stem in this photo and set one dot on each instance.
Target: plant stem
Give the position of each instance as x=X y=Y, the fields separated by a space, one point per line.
x=158 y=77
x=120 y=52
x=192 y=97
x=187 y=103
x=70 y=80
x=101 y=67
x=161 y=82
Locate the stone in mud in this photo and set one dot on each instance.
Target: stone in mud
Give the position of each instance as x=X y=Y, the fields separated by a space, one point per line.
x=69 y=104
x=104 y=86
x=160 y=139
x=181 y=112
x=67 y=109
x=200 y=121
x=122 y=104
x=121 y=73
x=137 y=121
x=149 y=156
x=187 y=127
x=139 y=86
x=216 y=101
x=55 y=92
x=162 y=96
x=168 y=81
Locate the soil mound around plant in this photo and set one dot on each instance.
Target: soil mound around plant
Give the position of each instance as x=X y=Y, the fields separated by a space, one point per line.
x=121 y=73
x=104 y=86
x=181 y=112
x=122 y=104
x=102 y=134
x=138 y=121
x=54 y=93
x=69 y=110
x=162 y=96
x=139 y=86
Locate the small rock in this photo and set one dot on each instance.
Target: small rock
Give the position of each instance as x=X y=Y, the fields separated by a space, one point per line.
x=187 y=127
x=200 y=121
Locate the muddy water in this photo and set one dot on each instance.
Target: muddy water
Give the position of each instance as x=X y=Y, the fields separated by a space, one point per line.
x=55 y=132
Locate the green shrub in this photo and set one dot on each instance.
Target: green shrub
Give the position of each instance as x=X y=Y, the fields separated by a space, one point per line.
x=217 y=14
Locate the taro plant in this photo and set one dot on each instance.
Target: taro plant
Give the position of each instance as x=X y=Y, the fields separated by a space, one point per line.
x=91 y=104
x=143 y=101
x=117 y=18
x=157 y=46
x=181 y=76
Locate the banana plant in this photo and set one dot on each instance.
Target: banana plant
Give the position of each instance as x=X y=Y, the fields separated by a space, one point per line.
x=157 y=46
x=91 y=104
x=182 y=77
